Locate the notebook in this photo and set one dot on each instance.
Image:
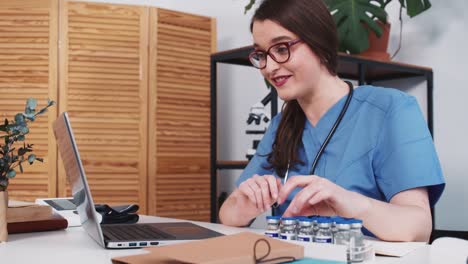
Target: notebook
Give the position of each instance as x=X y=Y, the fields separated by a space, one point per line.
x=115 y=235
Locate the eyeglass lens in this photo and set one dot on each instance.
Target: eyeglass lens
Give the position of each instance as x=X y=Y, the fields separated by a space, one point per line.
x=278 y=52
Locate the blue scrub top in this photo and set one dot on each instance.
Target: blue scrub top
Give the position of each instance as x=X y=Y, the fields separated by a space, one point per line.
x=381 y=147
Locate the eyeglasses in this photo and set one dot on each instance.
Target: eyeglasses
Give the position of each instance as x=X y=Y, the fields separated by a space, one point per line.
x=280 y=52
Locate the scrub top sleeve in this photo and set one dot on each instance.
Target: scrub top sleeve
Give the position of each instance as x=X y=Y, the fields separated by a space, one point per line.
x=259 y=161
x=405 y=156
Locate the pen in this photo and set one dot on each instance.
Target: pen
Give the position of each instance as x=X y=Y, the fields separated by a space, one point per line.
x=275 y=205
x=286 y=174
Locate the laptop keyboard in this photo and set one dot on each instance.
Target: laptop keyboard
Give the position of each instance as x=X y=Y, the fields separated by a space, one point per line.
x=134 y=232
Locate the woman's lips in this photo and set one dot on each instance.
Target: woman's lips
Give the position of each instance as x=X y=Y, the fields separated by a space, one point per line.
x=280 y=81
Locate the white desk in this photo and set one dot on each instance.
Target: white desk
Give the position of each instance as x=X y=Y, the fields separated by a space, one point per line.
x=73 y=245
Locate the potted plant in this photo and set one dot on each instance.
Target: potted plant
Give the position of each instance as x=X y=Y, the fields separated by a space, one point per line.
x=13 y=133
x=356 y=19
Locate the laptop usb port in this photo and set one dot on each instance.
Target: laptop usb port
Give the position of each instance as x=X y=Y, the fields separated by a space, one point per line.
x=143 y=244
x=154 y=243
x=132 y=244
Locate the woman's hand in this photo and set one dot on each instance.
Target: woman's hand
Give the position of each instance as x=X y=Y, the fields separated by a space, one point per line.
x=261 y=191
x=253 y=197
x=320 y=196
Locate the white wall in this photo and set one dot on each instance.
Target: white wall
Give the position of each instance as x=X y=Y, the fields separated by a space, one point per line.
x=435 y=39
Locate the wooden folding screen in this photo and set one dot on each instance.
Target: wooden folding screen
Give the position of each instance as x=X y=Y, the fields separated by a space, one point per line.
x=179 y=125
x=28 y=68
x=103 y=86
x=135 y=82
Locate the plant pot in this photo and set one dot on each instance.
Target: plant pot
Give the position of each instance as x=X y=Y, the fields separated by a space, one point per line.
x=378 y=46
x=3 y=216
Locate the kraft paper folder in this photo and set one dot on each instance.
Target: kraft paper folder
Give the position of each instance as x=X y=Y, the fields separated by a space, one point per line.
x=238 y=248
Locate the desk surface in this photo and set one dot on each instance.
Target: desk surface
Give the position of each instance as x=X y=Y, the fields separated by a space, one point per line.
x=73 y=245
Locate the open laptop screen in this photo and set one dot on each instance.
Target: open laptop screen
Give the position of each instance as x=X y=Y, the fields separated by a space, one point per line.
x=77 y=178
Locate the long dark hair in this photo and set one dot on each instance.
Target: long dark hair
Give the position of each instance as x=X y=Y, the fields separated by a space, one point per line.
x=312 y=22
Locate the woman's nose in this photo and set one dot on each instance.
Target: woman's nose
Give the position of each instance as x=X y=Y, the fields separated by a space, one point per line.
x=271 y=65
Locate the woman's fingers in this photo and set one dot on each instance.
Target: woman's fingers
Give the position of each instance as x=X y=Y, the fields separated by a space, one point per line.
x=292 y=183
x=249 y=188
x=273 y=185
x=318 y=198
x=262 y=191
x=301 y=200
x=245 y=189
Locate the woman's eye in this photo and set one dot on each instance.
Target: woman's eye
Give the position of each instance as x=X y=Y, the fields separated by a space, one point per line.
x=281 y=49
x=259 y=56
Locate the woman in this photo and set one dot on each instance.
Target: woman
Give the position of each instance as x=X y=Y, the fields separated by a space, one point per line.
x=379 y=164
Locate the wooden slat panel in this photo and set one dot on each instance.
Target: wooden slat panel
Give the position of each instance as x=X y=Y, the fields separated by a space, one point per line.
x=104 y=52
x=28 y=68
x=180 y=115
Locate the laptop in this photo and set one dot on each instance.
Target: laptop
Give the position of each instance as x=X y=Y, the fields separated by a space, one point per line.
x=114 y=235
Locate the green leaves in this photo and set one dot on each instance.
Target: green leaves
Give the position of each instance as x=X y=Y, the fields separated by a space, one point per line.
x=249 y=6
x=31 y=105
x=11 y=174
x=19 y=118
x=14 y=131
x=350 y=17
x=415 y=7
x=3 y=183
x=31 y=158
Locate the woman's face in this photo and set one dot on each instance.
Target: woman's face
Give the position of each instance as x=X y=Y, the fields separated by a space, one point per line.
x=295 y=78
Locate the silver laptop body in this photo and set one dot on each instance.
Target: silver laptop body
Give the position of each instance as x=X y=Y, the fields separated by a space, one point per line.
x=114 y=235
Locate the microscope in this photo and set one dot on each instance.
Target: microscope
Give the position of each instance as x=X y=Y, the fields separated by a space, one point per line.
x=257 y=116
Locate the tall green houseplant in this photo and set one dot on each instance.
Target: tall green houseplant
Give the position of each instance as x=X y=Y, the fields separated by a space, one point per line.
x=354 y=18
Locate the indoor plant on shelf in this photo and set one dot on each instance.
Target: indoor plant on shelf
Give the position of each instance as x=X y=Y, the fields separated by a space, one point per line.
x=356 y=19
x=13 y=133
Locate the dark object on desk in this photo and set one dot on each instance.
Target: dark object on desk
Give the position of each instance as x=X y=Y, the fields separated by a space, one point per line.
x=448 y=233
x=123 y=214
x=54 y=222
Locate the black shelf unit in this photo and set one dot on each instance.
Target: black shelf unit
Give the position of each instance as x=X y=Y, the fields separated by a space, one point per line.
x=352 y=67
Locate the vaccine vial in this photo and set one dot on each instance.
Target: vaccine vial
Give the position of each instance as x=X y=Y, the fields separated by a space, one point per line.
x=315 y=227
x=324 y=234
x=356 y=232
x=356 y=241
x=288 y=228
x=273 y=226
x=298 y=220
x=342 y=234
x=333 y=227
x=305 y=230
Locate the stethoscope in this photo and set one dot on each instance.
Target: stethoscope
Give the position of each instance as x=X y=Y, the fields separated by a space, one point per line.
x=329 y=136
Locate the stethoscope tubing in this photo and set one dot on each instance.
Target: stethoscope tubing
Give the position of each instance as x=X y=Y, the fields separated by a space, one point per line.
x=329 y=136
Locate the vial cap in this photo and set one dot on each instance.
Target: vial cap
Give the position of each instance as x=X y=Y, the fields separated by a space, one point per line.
x=306 y=221
x=336 y=218
x=355 y=221
x=324 y=220
x=275 y=217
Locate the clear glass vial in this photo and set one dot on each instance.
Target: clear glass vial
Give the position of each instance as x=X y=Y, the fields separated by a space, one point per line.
x=305 y=230
x=324 y=234
x=273 y=226
x=315 y=227
x=356 y=232
x=342 y=234
x=334 y=220
x=356 y=241
x=288 y=228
